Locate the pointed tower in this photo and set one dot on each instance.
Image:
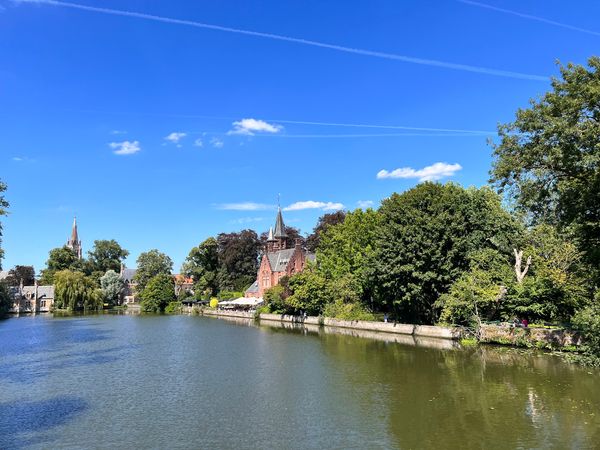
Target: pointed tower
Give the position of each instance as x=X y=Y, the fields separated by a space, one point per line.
x=270 y=240
x=74 y=243
x=279 y=234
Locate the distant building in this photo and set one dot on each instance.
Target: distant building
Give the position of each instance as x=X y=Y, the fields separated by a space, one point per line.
x=183 y=283
x=129 y=292
x=74 y=243
x=278 y=260
x=31 y=299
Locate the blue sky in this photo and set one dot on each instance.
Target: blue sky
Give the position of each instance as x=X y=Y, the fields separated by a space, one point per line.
x=166 y=126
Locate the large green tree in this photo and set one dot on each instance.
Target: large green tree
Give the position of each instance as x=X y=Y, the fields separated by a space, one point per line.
x=5 y=299
x=238 y=259
x=159 y=292
x=75 y=290
x=424 y=241
x=202 y=264
x=548 y=159
x=19 y=274
x=106 y=255
x=346 y=249
x=149 y=265
x=325 y=221
x=61 y=258
x=3 y=212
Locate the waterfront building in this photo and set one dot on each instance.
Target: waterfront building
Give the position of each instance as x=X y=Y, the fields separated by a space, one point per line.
x=278 y=260
x=129 y=290
x=74 y=243
x=31 y=299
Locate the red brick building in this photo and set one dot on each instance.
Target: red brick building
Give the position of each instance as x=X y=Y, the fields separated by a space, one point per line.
x=278 y=260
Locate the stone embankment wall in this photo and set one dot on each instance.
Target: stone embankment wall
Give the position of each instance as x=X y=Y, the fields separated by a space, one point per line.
x=396 y=328
x=538 y=337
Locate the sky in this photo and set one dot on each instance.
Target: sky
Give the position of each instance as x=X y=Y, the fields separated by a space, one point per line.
x=159 y=124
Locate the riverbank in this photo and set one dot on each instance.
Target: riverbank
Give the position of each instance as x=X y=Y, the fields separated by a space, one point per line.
x=542 y=338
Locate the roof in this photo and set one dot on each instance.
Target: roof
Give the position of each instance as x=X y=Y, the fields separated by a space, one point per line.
x=46 y=291
x=128 y=274
x=253 y=288
x=280 y=259
x=279 y=226
x=242 y=301
x=270 y=238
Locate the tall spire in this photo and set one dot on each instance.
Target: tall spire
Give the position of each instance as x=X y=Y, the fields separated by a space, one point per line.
x=270 y=238
x=74 y=243
x=279 y=226
x=74 y=236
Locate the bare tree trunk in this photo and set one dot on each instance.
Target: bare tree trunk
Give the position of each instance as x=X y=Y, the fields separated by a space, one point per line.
x=518 y=262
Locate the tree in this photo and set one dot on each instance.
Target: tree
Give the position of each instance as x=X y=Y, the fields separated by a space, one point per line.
x=3 y=205
x=238 y=259
x=106 y=255
x=309 y=292
x=149 y=265
x=158 y=293
x=202 y=264
x=5 y=299
x=324 y=222
x=548 y=159
x=74 y=290
x=112 y=286
x=26 y=274
x=347 y=249
x=62 y=258
x=424 y=241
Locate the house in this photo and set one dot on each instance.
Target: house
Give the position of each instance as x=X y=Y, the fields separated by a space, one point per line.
x=129 y=290
x=278 y=260
x=31 y=299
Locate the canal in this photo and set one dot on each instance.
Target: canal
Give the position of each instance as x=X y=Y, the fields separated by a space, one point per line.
x=169 y=382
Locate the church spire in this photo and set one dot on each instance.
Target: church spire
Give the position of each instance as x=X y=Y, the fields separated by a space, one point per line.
x=279 y=226
x=74 y=243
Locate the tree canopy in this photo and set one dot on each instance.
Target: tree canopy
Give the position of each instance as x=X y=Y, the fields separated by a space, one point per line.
x=425 y=239
x=112 y=286
x=238 y=259
x=325 y=221
x=75 y=290
x=61 y=258
x=26 y=274
x=202 y=264
x=106 y=255
x=548 y=159
x=149 y=265
x=158 y=293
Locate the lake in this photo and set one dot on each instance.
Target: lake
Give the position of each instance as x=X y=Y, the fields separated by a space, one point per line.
x=169 y=382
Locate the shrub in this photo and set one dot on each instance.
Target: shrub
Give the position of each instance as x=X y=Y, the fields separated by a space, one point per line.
x=587 y=321
x=214 y=303
x=174 y=308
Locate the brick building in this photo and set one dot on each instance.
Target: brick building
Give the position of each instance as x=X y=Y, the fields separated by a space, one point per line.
x=278 y=260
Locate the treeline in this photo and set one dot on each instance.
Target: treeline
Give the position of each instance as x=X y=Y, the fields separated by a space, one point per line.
x=440 y=253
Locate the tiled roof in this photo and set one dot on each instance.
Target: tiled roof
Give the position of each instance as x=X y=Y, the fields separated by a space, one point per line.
x=128 y=274
x=279 y=260
x=254 y=288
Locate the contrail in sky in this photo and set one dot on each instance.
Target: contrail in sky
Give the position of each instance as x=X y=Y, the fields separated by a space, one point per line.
x=278 y=37
x=530 y=17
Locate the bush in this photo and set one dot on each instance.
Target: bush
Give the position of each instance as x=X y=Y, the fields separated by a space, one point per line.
x=347 y=311
x=214 y=303
x=230 y=295
x=174 y=308
x=275 y=298
x=587 y=321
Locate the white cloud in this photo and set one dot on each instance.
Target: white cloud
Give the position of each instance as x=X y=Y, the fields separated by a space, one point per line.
x=310 y=204
x=436 y=171
x=175 y=137
x=364 y=203
x=243 y=220
x=250 y=126
x=244 y=206
x=216 y=142
x=17 y=158
x=198 y=143
x=125 y=147
x=118 y=132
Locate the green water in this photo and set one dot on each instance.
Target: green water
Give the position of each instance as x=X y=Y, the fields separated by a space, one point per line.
x=169 y=382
